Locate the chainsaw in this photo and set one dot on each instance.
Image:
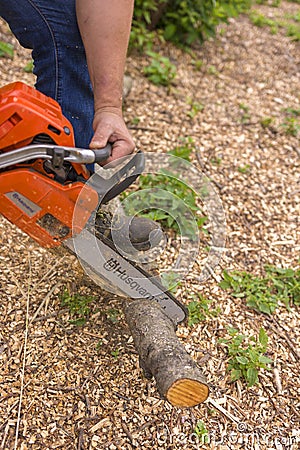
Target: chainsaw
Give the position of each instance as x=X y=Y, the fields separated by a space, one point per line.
x=45 y=184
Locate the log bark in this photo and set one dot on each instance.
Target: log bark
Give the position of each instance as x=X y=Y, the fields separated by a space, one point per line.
x=162 y=355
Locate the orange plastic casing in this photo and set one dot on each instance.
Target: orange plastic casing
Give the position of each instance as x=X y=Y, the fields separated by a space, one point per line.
x=46 y=210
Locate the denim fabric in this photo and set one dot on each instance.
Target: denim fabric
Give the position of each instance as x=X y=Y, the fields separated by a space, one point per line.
x=49 y=28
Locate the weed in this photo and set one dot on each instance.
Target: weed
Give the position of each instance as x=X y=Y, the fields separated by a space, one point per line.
x=201 y=431
x=293 y=31
x=246 y=355
x=199 y=310
x=115 y=353
x=160 y=71
x=170 y=280
x=113 y=315
x=291 y=126
x=196 y=107
x=245 y=116
x=78 y=306
x=99 y=345
x=135 y=120
x=260 y=20
x=266 y=122
x=171 y=194
x=212 y=70
x=216 y=161
x=6 y=49
x=29 y=67
x=197 y=63
x=264 y=293
x=244 y=169
x=291 y=123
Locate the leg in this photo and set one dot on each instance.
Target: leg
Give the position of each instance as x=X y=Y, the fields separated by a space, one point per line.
x=49 y=28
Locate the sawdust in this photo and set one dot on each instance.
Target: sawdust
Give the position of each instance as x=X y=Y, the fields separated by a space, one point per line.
x=72 y=387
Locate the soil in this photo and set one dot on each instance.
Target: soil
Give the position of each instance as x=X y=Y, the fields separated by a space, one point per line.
x=80 y=387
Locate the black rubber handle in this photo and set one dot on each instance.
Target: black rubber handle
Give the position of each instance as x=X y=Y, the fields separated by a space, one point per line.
x=102 y=154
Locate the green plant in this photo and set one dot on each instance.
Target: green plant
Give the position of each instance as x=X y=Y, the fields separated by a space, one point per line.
x=266 y=122
x=244 y=169
x=170 y=280
x=264 y=293
x=29 y=67
x=212 y=70
x=216 y=161
x=78 y=306
x=199 y=310
x=201 y=431
x=197 y=63
x=160 y=70
x=181 y=21
x=246 y=355
x=291 y=123
x=172 y=194
x=245 y=113
x=196 y=107
x=260 y=20
x=113 y=315
x=291 y=126
x=115 y=353
x=293 y=31
x=135 y=120
x=6 y=49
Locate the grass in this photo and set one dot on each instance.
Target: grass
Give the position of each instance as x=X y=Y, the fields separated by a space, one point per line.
x=246 y=355
x=264 y=294
x=290 y=24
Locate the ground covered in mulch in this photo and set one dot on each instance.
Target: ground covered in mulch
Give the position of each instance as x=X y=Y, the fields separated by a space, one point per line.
x=80 y=387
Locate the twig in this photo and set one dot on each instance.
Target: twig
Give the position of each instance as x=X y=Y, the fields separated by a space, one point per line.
x=80 y=440
x=127 y=432
x=277 y=380
x=199 y=159
x=286 y=337
x=46 y=298
x=24 y=358
x=223 y=411
x=142 y=128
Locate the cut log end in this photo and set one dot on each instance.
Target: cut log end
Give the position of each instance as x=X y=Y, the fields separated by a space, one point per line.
x=178 y=377
x=187 y=393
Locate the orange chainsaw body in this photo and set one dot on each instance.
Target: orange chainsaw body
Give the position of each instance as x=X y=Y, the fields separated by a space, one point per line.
x=30 y=197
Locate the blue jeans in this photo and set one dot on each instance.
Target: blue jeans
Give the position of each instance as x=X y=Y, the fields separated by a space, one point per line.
x=49 y=28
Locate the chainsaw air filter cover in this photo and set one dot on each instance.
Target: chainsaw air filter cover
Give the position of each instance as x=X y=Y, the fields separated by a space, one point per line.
x=26 y=114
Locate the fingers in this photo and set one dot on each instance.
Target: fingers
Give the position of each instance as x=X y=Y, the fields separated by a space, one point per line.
x=110 y=127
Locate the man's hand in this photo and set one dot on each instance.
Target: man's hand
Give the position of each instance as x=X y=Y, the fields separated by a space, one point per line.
x=109 y=126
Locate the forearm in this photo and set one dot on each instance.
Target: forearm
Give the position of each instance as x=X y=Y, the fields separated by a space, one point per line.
x=105 y=29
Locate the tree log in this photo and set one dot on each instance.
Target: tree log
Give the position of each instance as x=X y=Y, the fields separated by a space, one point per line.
x=162 y=355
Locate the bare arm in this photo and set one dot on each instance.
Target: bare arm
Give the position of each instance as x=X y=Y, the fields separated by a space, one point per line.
x=105 y=28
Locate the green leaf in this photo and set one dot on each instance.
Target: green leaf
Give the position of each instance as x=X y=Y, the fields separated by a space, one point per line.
x=6 y=49
x=242 y=360
x=263 y=338
x=265 y=360
x=169 y=32
x=252 y=376
x=235 y=374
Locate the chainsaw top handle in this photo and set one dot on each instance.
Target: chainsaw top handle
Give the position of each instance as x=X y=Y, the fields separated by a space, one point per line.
x=58 y=154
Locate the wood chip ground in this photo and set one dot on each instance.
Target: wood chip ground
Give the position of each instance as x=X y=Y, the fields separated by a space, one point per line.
x=69 y=387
